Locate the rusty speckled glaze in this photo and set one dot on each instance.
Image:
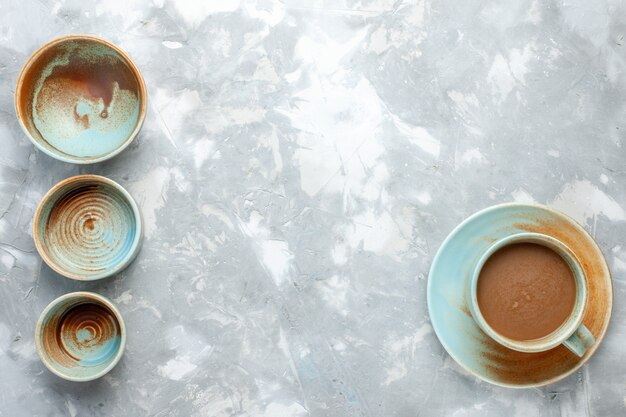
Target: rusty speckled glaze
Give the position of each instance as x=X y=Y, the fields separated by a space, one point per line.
x=447 y=291
x=87 y=227
x=80 y=99
x=80 y=336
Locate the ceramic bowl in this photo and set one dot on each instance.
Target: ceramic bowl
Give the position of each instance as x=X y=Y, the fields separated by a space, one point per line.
x=80 y=99
x=80 y=336
x=87 y=227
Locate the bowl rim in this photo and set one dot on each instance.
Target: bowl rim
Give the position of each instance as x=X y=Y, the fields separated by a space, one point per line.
x=61 y=156
x=96 y=297
x=132 y=252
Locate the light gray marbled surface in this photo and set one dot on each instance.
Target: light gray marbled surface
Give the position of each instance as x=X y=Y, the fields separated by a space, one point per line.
x=300 y=164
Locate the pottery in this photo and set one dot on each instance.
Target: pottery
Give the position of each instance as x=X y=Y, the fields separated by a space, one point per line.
x=80 y=336
x=572 y=333
x=80 y=99
x=88 y=227
x=449 y=308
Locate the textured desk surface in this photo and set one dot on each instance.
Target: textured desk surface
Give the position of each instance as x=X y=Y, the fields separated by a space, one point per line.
x=300 y=164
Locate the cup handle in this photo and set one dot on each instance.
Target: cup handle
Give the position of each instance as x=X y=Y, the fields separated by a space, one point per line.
x=580 y=341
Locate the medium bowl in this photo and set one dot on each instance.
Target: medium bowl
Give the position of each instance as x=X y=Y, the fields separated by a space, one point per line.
x=87 y=227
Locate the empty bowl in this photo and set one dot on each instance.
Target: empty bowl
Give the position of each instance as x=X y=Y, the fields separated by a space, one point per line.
x=80 y=99
x=87 y=227
x=80 y=336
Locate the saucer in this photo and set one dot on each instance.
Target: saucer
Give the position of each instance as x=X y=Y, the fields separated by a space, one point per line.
x=458 y=332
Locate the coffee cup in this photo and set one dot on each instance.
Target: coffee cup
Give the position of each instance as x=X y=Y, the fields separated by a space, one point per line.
x=522 y=286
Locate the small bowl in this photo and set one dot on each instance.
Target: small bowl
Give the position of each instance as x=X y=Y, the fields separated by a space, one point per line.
x=80 y=99
x=87 y=227
x=80 y=336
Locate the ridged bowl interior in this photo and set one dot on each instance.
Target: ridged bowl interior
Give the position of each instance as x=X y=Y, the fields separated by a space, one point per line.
x=80 y=99
x=80 y=336
x=87 y=227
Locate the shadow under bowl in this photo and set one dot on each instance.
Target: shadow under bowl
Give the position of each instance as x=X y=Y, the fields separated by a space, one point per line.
x=80 y=99
x=88 y=227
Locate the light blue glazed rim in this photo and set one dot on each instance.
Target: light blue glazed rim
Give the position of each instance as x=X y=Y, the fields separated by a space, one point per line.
x=133 y=250
x=63 y=156
x=456 y=330
x=567 y=328
x=86 y=295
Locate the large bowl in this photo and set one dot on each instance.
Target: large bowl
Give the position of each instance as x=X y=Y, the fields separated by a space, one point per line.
x=80 y=99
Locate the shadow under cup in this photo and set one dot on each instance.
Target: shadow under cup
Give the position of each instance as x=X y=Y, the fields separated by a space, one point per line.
x=571 y=332
x=80 y=336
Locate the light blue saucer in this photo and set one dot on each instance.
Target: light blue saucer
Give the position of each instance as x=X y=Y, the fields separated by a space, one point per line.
x=447 y=289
